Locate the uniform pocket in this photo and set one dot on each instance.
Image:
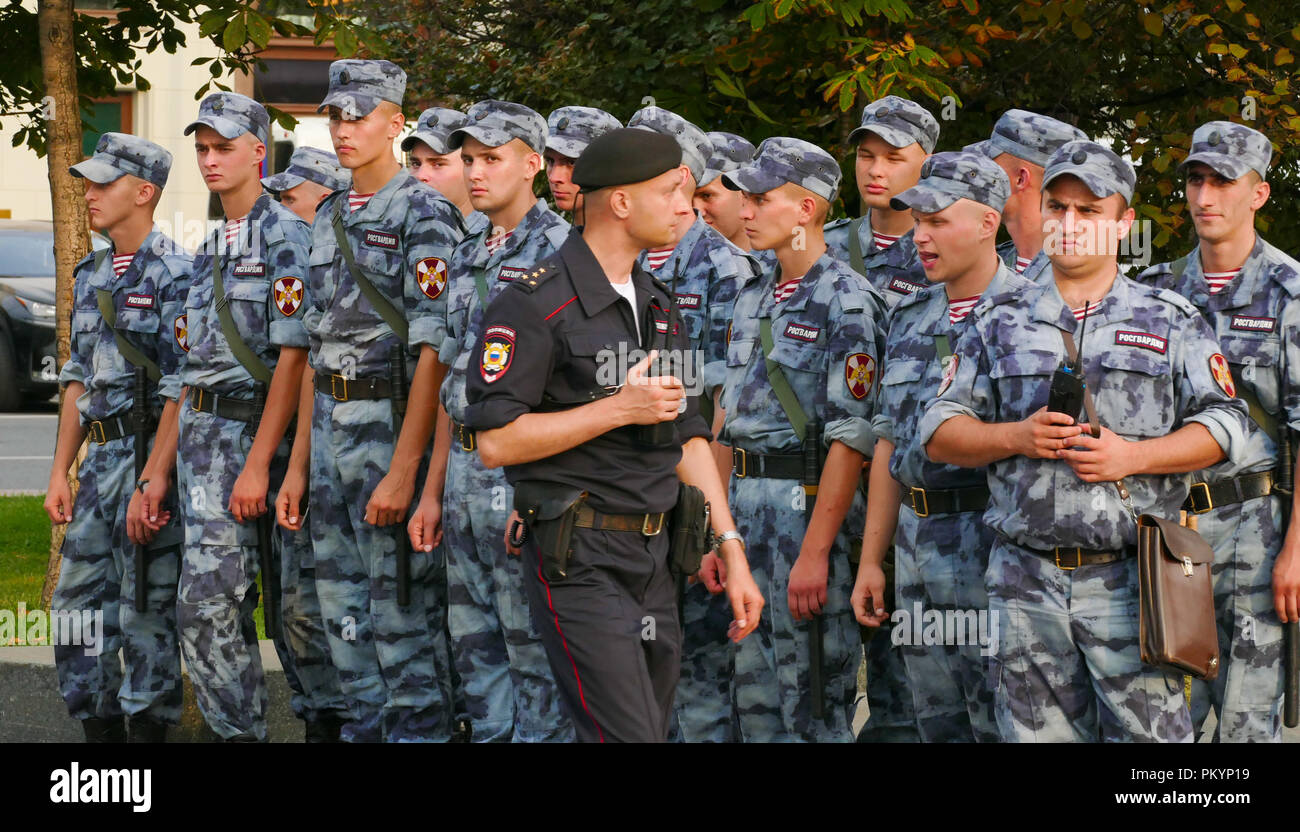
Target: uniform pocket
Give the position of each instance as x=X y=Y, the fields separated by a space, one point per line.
x=1135 y=394
x=1022 y=380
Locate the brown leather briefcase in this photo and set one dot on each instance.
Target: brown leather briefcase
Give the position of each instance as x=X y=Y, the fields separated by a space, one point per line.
x=1176 y=621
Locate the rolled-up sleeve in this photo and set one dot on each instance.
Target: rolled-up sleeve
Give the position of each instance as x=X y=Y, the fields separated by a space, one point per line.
x=1203 y=398
x=852 y=376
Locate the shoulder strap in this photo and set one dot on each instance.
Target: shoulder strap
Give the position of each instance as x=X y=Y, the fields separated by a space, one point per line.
x=100 y=256
x=942 y=347
x=480 y=284
x=104 y=299
x=785 y=394
x=1072 y=353
x=255 y=366
x=856 y=260
x=1179 y=266
x=382 y=305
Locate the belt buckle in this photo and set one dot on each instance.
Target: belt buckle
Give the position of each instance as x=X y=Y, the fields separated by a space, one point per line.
x=924 y=500
x=1209 y=501
x=658 y=525
x=744 y=463
x=334 y=386
x=196 y=400
x=102 y=439
x=1078 y=559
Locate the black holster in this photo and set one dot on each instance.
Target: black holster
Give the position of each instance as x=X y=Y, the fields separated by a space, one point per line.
x=691 y=536
x=548 y=511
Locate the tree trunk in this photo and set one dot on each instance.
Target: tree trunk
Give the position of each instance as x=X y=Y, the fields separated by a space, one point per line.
x=56 y=21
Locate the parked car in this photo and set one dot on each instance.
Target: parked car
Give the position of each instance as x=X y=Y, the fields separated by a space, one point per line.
x=28 y=359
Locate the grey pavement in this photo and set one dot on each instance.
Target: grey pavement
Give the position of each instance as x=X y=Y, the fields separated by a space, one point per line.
x=26 y=451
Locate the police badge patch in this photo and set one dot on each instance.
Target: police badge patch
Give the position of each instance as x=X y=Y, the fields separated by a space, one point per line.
x=431 y=273
x=181 y=328
x=1222 y=374
x=498 y=351
x=859 y=372
x=288 y=295
x=949 y=373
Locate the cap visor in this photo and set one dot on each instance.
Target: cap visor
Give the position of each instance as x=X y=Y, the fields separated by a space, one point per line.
x=893 y=135
x=707 y=177
x=1219 y=163
x=566 y=147
x=282 y=182
x=751 y=180
x=486 y=135
x=350 y=101
x=923 y=198
x=435 y=143
x=227 y=128
x=999 y=144
x=96 y=170
x=1099 y=187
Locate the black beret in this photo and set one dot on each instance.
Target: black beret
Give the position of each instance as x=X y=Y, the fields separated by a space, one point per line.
x=624 y=157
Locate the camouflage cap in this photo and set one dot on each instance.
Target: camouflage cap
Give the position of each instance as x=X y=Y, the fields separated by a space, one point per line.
x=1098 y=167
x=571 y=129
x=898 y=121
x=982 y=146
x=497 y=122
x=696 y=147
x=729 y=152
x=310 y=164
x=120 y=153
x=1030 y=136
x=434 y=128
x=780 y=160
x=357 y=87
x=1230 y=149
x=948 y=177
x=231 y=115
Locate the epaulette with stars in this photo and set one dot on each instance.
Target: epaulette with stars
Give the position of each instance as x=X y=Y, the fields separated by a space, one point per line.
x=535 y=278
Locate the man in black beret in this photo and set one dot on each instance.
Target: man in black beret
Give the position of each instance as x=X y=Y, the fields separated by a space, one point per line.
x=579 y=394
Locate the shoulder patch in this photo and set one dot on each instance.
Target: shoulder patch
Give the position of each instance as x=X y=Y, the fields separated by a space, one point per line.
x=498 y=352
x=859 y=374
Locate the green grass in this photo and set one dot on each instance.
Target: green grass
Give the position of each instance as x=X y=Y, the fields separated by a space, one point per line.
x=25 y=552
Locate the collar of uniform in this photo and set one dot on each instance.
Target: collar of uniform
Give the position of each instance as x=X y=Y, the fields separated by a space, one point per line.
x=377 y=206
x=518 y=236
x=1245 y=286
x=106 y=278
x=589 y=280
x=1035 y=268
x=1113 y=307
x=899 y=254
x=807 y=285
x=681 y=251
x=254 y=217
x=939 y=323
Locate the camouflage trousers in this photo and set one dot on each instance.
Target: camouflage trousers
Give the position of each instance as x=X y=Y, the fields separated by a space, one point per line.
x=702 y=711
x=891 y=715
x=1247 y=695
x=393 y=661
x=218 y=595
x=1067 y=666
x=509 y=688
x=940 y=572
x=99 y=629
x=771 y=686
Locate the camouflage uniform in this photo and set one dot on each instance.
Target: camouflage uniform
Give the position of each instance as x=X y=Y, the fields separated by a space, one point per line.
x=98 y=559
x=895 y=271
x=393 y=661
x=509 y=687
x=263 y=274
x=1067 y=665
x=1256 y=318
x=940 y=554
x=309 y=164
x=821 y=333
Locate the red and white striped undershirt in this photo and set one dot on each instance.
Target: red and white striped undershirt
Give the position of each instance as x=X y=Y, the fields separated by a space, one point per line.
x=656 y=257
x=495 y=243
x=884 y=241
x=356 y=200
x=1022 y=263
x=1092 y=310
x=233 y=229
x=121 y=262
x=785 y=290
x=959 y=308
x=1218 y=280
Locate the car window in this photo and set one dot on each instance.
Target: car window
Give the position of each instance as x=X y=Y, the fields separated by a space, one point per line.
x=31 y=253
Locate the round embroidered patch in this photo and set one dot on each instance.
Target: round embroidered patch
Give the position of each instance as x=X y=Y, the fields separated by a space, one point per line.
x=431 y=273
x=949 y=373
x=498 y=352
x=288 y=295
x=1222 y=374
x=859 y=373
x=181 y=328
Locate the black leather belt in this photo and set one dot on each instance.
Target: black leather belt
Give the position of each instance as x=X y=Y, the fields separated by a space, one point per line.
x=1207 y=496
x=462 y=436
x=927 y=501
x=647 y=524
x=1072 y=557
x=344 y=389
x=103 y=431
x=773 y=466
x=205 y=401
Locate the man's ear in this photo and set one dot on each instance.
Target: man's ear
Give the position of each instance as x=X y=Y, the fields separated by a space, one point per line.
x=990 y=223
x=395 y=125
x=1261 y=195
x=619 y=203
